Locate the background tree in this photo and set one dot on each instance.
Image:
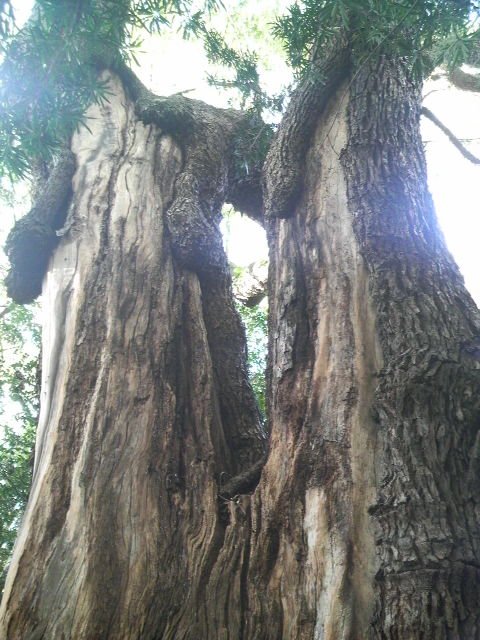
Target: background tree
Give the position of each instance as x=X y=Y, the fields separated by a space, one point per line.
x=19 y=384
x=154 y=510
x=19 y=343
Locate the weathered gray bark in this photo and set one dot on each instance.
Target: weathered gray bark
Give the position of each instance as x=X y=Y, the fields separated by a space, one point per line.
x=146 y=408
x=142 y=522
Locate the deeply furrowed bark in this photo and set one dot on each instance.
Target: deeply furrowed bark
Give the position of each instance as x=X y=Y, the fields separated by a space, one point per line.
x=146 y=407
x=364 y=525
x=367 y=510
x=427 y=529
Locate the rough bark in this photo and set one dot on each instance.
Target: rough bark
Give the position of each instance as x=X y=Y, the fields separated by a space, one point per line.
x=366 y=516
x=425 y=407
x=146 y=407
x=364 y=525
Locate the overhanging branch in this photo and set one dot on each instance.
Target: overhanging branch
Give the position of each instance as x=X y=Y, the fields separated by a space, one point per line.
x=465 y=81
x=451 y=136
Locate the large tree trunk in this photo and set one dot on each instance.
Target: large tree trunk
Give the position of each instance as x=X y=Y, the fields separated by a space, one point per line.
x=146 y=410
x=365 y=522
x=368 y=505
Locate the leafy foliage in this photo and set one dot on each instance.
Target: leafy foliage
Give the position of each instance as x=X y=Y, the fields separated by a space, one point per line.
x=246 y=79
x=244 y=64
x=251 y=145
x=413 y=29
x=19 y=347
x=255 y=321
x=50 y=71
x=49 y=74
x=240 y=65
x=15 y=477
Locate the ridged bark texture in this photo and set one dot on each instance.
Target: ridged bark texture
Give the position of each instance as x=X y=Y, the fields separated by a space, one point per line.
x=146 y=409
x=365 y=523
x=368 y=505
x=427 y=406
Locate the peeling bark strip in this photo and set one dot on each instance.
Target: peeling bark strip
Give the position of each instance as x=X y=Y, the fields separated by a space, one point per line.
x=427 y=406
x=146 y=410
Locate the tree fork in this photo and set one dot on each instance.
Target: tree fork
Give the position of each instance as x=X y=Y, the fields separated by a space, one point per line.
x=364 y=522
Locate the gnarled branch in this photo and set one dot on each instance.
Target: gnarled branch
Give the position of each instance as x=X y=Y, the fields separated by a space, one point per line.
x=32 y=240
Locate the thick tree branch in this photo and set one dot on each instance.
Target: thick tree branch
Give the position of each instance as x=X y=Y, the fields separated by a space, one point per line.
x=465 y=81
x=207 y=137
x=453 y=138
x=284 y=164
x=32 y=240
x=244 y=482
x=228 y=137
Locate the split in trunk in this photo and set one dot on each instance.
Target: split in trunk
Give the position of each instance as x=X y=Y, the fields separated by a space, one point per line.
x=365 y=520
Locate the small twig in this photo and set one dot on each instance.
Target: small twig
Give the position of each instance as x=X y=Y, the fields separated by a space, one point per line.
x=432 y=91
x=4 y=311
x=180 y=93
x=453 y=138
